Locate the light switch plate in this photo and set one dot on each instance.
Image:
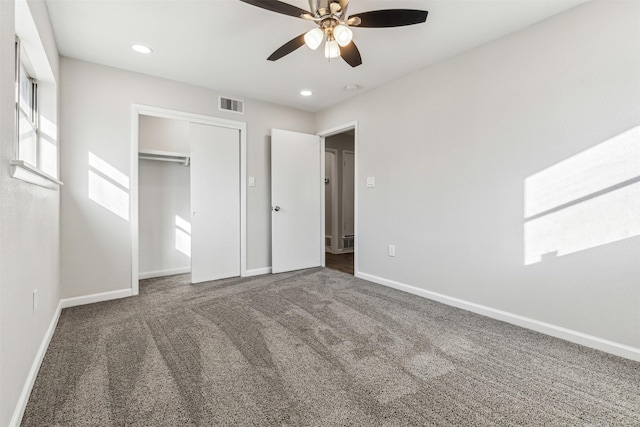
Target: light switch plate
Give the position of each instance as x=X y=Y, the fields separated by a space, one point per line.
x=392 y=250
x=371 y=181
x=252 y=181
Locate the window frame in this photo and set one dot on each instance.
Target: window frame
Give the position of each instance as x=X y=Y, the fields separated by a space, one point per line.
x=30 y=113
x=27 y=113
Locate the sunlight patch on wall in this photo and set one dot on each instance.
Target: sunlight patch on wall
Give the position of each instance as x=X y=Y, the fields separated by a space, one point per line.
x=109 y=171
x=48 y=160
x=183 y=236
x=108 y=187
x=588 y=200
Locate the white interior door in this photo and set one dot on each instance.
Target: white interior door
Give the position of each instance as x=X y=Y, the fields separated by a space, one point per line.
x=297 y=187
x=215 y=202
x=348 y=195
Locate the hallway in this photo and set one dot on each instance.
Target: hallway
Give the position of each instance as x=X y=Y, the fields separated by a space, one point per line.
x=340 y=262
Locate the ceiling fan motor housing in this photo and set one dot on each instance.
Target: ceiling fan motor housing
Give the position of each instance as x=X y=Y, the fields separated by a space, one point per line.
x=324 y=8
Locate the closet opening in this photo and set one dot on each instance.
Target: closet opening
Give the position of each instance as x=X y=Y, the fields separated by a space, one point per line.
x=188 y=198
x=164 y=195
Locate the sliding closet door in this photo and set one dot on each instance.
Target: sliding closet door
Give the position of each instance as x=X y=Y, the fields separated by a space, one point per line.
x=215 y=202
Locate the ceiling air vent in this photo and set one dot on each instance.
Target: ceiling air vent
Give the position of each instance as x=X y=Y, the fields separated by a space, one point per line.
x=231 y=105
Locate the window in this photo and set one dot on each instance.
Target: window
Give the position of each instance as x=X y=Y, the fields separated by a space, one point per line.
x=36 y=153
x=27 y=110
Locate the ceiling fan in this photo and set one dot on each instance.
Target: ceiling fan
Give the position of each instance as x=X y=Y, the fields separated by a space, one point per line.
x=333 y=25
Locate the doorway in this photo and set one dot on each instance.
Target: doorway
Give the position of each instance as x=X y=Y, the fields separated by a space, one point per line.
x=339 y=209
x=164 y=208
x=193 y=121
x=298 y=200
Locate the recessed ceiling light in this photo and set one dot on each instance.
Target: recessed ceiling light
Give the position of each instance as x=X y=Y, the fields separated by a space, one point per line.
x=306 y=93
x=142 y=49
x=351 y=87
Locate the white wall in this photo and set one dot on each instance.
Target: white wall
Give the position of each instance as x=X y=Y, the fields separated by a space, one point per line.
x=164 y=194
x=96 y=111
x=156 y=133
x=452 y=145
x=29 y=233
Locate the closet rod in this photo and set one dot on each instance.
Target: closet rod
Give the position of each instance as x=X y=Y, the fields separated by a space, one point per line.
x=184 y=161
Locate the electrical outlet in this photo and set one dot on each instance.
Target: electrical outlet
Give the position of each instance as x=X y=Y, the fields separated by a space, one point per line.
x=392 y=250
x=35 y=300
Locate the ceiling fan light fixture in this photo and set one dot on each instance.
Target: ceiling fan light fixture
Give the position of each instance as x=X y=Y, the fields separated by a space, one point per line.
x=331 y=49
x=342 y=34
x=314 y=38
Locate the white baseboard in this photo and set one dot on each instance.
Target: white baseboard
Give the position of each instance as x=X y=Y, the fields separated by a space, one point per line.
x=44 y=345
x=258 y=272
x=591 y=341
x=18 y=413
x=162 y=273
x=90 y=299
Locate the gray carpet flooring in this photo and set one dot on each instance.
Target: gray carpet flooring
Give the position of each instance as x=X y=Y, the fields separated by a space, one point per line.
x=315 y=348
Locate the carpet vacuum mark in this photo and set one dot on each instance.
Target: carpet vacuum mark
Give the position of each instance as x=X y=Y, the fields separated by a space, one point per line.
x=315 y=348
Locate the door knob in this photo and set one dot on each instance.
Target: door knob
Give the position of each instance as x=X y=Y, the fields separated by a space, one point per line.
x=277 y=208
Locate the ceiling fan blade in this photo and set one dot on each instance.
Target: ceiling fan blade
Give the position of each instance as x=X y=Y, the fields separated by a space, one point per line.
x=278 y=7
x=390 y=18
x=351 y=54
x=287 y=48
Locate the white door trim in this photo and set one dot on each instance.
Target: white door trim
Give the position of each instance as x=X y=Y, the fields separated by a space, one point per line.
x=323 y=135
x=136 y=111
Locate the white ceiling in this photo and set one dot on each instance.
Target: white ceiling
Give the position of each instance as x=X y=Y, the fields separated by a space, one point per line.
x=223 y=44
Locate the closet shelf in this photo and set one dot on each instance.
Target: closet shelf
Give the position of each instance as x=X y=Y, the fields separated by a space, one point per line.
x=165 y=156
